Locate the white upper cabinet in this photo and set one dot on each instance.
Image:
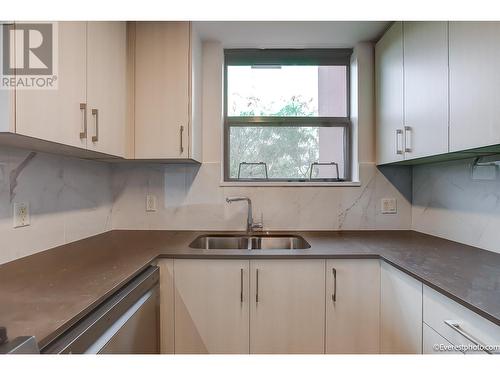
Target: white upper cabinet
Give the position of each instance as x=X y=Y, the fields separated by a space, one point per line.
x=448 y=98
x=474 y=83
x=106 y=87
x=58 y=115
x=87 y=110
x=425 y=88
x=167 y=88
x=412 y=91
x=7 y=97
x=389 y=95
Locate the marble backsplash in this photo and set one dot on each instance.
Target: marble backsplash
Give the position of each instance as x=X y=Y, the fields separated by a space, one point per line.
x=190 y=197
x=72 y=199
x=69 y=199
x=448 y=203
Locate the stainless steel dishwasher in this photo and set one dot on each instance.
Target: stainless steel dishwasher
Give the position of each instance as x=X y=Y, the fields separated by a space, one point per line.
x=126 y=323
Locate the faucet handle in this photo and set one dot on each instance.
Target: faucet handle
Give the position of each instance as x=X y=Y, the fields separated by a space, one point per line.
x=259 y=225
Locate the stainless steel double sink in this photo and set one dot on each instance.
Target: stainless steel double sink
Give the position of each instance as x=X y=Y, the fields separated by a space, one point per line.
x=250 y=242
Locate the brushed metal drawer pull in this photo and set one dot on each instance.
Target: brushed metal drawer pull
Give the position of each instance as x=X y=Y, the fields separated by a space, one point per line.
x=408 y=139
x=257 y=286
x=399 y=142
x=455 y=325
x=83 y=133
x=334 y=294
x=95 y=113
x=241 y=285
x=182 y=147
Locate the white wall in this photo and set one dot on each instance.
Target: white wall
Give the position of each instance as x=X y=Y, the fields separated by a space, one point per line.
x=69 y=199
x=448 y=203
x=192 y=198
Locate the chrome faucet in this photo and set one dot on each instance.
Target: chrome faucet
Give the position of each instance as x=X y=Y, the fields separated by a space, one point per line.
x=251 y=226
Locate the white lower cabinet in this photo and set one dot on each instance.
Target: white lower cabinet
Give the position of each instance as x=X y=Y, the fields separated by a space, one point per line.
x=287 y=306
x=315 y=306
x=167 y=312
x=434 y=343
x=400 y=312
x=352 y=306
x=460 y=326
x=211 y=306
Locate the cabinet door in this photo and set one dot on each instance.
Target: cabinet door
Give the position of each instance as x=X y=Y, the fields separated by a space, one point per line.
x=211 y=306
x=400 y=312
x=389 y=95
x=474 y=83
x=55 y=115
x=425 y=88
x=162 y=94
x=7 y=96
x=166 y=306
x=352 y=306
x=456 y=323
x=106 y=87
x=287 y=299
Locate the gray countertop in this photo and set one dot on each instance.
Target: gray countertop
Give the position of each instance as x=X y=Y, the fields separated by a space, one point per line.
x=44 y=294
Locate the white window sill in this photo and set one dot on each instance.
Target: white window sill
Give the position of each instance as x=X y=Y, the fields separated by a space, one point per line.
x=289 y=184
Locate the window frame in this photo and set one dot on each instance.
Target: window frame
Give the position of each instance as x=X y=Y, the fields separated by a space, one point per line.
x=327 y=57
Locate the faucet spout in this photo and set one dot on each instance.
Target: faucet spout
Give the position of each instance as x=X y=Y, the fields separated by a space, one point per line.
x=250 y=223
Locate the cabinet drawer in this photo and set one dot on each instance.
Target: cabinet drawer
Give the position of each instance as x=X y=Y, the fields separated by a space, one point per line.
x=469 y=327
x=434 y=343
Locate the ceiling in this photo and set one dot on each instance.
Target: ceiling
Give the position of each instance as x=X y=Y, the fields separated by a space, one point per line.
x=290 y=34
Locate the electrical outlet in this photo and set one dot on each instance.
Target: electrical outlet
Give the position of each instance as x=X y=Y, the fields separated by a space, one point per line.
x=151 y=204
x=389 y=206
x=21 y=214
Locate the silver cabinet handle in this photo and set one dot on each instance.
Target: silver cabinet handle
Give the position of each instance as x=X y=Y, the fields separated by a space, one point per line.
x=182 y=147
x=455 y=325
x=408 y=140
x=83 y=109
x=334 y=294
x=257 y=286
x=95 y=113
x=399 y=142
x=241 y=285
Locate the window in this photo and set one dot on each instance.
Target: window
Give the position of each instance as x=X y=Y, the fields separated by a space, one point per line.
x=287 y=115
